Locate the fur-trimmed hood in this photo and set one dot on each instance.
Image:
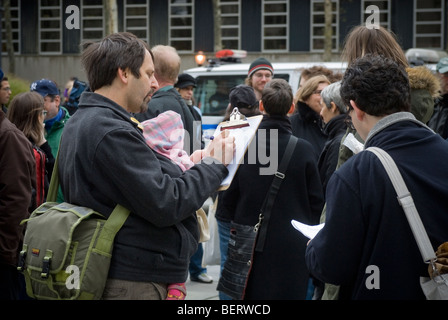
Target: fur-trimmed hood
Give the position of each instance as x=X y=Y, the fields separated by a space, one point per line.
x=422 y=78
x=425 y=87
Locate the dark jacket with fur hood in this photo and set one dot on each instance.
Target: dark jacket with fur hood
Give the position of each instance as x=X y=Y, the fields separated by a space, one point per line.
x=425 y=89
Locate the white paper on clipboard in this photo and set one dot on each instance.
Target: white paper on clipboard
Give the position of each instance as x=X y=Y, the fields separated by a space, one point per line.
x=243 y=137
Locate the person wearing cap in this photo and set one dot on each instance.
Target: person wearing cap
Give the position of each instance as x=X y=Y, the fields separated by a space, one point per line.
x=260 y=72
x=185 y=86
x=439 y=119
x=56 y=116
x=243 y=97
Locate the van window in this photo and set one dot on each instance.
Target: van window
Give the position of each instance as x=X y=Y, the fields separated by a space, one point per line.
x=212 y=92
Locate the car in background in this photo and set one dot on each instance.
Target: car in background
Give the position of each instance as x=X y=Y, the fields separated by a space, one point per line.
x=428 y=57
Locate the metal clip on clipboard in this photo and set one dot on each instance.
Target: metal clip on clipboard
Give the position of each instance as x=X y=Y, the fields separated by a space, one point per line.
x=236 y=120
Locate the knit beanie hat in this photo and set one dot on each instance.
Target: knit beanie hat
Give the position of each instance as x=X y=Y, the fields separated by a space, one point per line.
x=260 y=64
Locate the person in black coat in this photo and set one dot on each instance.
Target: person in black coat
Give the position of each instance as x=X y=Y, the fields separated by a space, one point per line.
x=306 y=122
x=333 y=114
x=279 y=271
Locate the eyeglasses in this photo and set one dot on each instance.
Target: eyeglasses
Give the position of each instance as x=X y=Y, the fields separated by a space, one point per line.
x=267 y=75
x=7 y=89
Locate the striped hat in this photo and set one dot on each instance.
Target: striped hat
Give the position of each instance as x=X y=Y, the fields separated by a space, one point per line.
x=260 y=64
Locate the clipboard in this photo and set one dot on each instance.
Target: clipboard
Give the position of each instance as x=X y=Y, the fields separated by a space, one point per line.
x=243 y=129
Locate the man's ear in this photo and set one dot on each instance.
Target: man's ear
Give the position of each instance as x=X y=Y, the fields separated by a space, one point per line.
x=291 y=110
x=261 y=106
x=123 y=75
x=334 y=108
x=358 y=112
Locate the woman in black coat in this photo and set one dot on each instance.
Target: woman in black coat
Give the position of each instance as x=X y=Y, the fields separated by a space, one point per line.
x=306 y=122
x=279 y=271
x=334 y=115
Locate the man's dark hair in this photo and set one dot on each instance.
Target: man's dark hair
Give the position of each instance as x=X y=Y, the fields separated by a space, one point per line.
x=277 y=97
x=101 y=60
x=378 y=85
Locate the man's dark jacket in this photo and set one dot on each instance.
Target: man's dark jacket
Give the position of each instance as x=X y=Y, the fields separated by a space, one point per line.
x=367 y=238
x=104 y=160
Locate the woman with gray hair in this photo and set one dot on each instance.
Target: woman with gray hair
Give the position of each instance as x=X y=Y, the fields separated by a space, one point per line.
x=333 y=114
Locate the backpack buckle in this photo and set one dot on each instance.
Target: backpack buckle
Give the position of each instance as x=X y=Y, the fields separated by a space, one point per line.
x=46 y=264
x=22 y=258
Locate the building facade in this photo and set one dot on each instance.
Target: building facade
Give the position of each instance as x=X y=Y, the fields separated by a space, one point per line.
x=47 y=34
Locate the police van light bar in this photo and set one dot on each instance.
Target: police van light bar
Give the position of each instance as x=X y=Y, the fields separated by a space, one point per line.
x=227 y=53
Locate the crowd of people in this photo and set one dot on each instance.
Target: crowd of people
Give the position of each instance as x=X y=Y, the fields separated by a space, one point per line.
x=126 y=144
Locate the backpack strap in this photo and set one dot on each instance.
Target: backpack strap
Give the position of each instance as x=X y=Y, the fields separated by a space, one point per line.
x=111 y=227
x=54 y=182
x=406 y=201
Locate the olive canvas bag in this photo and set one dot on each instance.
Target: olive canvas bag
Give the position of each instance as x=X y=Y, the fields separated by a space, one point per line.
x=67 y=249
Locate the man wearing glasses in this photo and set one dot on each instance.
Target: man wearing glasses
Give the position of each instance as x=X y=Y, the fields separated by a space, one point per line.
x=260 y=73
x=439 y=120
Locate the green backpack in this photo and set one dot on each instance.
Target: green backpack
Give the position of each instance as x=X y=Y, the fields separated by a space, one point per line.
x=67 y=249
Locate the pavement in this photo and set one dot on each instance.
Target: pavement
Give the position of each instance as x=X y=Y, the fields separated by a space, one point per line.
x=204 y=291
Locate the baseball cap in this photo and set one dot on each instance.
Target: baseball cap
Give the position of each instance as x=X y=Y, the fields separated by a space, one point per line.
x=185 y=80
x=442 y=66
x=242 y=96
x=260 y=64
x=45 y=87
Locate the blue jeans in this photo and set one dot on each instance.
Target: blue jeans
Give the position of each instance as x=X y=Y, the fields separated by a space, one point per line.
x=195 y=268
x=224 y=234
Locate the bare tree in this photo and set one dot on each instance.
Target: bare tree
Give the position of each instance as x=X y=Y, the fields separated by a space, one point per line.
x=328 y=31
x=111 y=16
x=217 y=25
x=8 y=32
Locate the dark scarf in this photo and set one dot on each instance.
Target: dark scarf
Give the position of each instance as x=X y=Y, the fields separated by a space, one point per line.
x=282 y=123
x=335 y=125
x=307 y=114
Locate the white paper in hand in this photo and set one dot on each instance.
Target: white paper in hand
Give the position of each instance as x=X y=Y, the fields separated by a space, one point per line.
x=307 y=230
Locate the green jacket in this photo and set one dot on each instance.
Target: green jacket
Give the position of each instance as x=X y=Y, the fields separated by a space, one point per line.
x=53 y=137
